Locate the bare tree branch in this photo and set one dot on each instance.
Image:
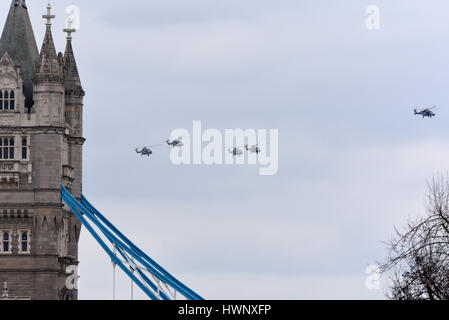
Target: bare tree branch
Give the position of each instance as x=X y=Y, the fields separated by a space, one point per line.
x=419 y=256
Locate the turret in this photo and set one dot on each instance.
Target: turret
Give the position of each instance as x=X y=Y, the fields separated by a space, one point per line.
x=48 y=82
x=19 y=42
x=74 y=94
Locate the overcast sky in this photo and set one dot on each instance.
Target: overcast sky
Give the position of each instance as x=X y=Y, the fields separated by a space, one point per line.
x=353 y=160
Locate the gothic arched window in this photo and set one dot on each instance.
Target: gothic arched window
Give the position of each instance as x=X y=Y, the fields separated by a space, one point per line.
x=6 y=100
x=11 y=148
x=24 y=241
x=6 y=240
x=12 y=101
x=24 y=148
x=7 y=148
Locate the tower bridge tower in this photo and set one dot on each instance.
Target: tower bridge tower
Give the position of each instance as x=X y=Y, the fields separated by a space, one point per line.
x=41 y=107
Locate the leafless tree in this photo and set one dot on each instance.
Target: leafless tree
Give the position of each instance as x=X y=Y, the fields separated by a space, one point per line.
x=419 y=256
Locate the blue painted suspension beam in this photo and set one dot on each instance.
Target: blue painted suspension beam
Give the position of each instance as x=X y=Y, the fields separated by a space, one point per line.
x=175 y=283
x=125 y=247
x=113 y=256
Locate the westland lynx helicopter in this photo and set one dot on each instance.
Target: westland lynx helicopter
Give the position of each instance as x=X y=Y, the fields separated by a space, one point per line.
x=236 y=152
x=175 y=143
x=145 y=151
x=253 y=149
x=425 y=112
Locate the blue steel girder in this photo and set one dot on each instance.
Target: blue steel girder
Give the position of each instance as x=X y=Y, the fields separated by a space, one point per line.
x=133 y=260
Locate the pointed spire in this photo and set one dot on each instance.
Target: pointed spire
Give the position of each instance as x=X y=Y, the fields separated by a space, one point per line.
x=18 y=40
x=19 y=3
x=72 y=81
x=47 y=67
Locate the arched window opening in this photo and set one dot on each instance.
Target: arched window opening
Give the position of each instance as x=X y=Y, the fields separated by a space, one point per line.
x=7 y=148
x=12 y=101
x=24 y=148
x=6 y=100
x=24 y=242
x=11 y=148
x=6 y=242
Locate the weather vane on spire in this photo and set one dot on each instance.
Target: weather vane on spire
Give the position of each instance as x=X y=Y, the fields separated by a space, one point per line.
x=49 y=16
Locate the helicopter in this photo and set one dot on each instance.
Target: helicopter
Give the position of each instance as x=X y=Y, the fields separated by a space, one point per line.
x=253 y=149
x=236 y=152
x=145 y=151
x=425 y=112
x=175 y=143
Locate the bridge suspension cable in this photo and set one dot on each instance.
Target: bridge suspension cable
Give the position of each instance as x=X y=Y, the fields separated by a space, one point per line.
x=147 y=274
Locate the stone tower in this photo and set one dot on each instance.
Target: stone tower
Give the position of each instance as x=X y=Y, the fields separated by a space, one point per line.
x=41 y=106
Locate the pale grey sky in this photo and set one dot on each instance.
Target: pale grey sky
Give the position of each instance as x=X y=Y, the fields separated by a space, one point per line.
x=353 y=161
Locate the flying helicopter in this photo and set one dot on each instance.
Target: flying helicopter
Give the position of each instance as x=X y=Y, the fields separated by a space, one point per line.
x=425 y=112
x=175 y=143
x=236 y=152
x=253 y=149
x=144 y=152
